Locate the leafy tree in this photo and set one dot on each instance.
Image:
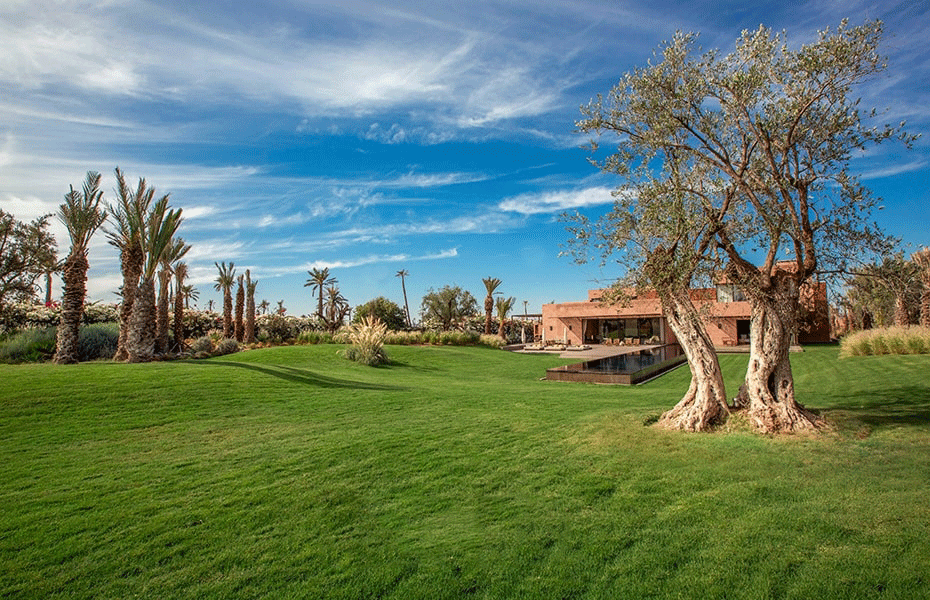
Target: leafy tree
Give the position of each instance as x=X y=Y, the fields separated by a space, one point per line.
x=335 y=309
x=402 y=274
x=490 y=284
x=224 y=282
x=27 y=251
x=319 y=280
x=382 y=309
x=772 y=131
x=658 y=233
x=887 y=292
x=921 y=258
x=82 y=214
x=448 y=306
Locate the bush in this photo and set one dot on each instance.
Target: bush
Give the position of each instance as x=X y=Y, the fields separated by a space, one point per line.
x=202 y=345
x=891 y=340
x=492 y=341
x=98 y=341
x=227 y=346
x=30 y=345
x=314 y=337
x=367 y=339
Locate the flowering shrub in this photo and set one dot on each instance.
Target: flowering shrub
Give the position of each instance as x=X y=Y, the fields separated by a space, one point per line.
x=20 y=316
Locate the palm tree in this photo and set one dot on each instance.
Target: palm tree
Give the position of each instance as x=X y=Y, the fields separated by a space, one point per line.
x=189 y=291
x=337 y=307
x=504 y=305
x=175 y=250
x=129 y=212
x=160 y=227
x=224 y=283
x=319 y=279
x=491 y=284
x=239 y=326
x=181 y=295
x=250 y=308
x=263 y=306
x=82 y=215
x=403 y=273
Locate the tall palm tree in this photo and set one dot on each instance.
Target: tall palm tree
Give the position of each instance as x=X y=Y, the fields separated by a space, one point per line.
x=190 y=292
x=319 y=279
x=263 y=306
x=491 y=284
x=129 y=213
x=504 y=306
x=336 y=310
x=173 y=252
x=82 y=215
x=239 y=328
x=402 y=274
x=224 y=283
x=160 y=227
x=250 y=308
x=181 y=295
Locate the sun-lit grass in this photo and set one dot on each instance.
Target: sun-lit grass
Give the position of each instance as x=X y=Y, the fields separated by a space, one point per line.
x=452 y=472
x=889 y=340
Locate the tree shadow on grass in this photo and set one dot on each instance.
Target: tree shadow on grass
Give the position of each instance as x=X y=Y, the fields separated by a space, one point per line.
x=303 y=376
x=903 y=405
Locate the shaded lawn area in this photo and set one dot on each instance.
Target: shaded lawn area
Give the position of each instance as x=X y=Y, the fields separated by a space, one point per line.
x=452 y=473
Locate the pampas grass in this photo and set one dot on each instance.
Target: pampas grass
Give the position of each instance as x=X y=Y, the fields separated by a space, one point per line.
x=367 y=339
x=891 y=340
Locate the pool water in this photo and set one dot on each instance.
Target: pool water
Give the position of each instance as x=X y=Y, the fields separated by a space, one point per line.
x=628 y=368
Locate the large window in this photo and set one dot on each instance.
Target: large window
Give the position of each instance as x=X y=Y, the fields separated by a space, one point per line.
x=642 y=328
x=730 y=293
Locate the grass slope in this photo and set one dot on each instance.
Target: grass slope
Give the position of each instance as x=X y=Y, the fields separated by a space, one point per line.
x=454 y=472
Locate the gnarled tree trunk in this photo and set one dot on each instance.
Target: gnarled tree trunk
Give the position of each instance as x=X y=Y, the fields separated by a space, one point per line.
x=141 y=342
x=768 y=391
x=705 y=404
x=74 y=274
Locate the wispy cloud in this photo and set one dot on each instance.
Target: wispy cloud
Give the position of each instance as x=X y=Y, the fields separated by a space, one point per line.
x=372 y=259
x=556 y=201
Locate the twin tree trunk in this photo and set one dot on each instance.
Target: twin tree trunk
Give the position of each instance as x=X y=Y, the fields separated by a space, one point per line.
x=705 y=404
x=74 y=274
x=768 y=391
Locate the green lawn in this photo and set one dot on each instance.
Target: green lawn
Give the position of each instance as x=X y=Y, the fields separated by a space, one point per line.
x=453 y=473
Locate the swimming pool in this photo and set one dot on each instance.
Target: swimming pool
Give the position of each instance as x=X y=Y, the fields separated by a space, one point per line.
x=628 y=368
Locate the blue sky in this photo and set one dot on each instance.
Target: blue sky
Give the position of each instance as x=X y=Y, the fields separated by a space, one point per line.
x=370 y=137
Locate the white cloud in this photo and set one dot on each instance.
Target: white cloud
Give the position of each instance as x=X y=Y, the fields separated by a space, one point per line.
x=557 y=201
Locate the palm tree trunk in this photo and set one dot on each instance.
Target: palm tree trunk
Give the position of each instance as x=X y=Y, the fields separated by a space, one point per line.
x=162 y=341
x=240 y=307
x=141 y=343
x=227 y=313
x=488 y=312
x=179 y=300
x=131 y=267
x=249 y=337
x=74 y=275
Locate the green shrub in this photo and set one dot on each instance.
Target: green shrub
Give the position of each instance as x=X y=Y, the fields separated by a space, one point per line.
x=227 y=346
x=98 y=341
x=203 y=344
x=314 y=337
x=30 y=345
x=493 y=341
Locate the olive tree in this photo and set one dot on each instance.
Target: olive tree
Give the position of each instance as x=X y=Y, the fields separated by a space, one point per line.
x=777 y=128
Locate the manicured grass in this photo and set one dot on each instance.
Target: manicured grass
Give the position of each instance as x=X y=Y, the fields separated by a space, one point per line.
x=454 y=472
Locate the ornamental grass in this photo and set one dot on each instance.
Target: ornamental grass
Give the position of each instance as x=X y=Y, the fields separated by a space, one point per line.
x=890 y=340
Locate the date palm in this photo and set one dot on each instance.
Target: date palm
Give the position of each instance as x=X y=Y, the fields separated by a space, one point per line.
x=319 y=280
x=181 y=294
x=224 y=283
x=490 y=284
x=82 y=214
x=402 y=274
x=250 y=308
x=239 y=325
x=160 y=227
x=504 y=306
x=174 y=252
x=129 y=213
